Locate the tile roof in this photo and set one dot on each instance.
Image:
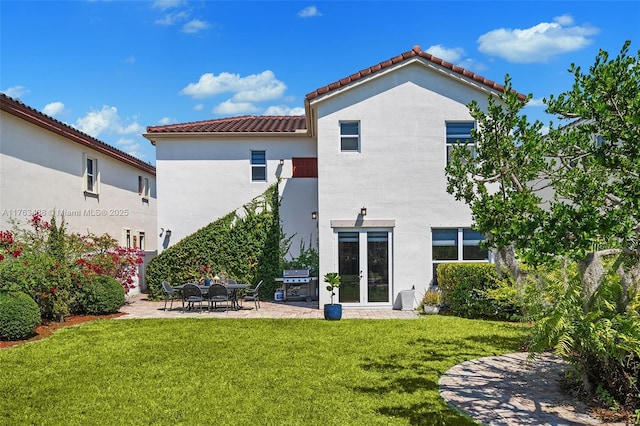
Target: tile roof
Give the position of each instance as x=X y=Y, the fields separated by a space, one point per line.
x=244 y=124
x=27 y=113
x=415 y=52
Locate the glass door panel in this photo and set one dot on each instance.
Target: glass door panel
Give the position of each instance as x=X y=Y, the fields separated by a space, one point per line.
x=377 y=266
x=349 y=267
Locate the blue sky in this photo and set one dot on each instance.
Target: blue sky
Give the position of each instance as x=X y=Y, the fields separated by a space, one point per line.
x=112 y=68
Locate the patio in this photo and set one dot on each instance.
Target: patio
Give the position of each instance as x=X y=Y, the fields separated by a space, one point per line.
x=140 y=306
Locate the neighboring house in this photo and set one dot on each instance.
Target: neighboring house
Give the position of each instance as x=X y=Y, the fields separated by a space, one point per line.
x=47 y=166
x=368 y=159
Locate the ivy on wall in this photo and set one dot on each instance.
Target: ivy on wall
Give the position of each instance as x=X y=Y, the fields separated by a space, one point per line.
x=245 y=247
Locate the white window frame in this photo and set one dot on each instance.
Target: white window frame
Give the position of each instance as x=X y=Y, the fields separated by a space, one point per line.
x=142 y=240
x=450 y=143
x=255 y=165
x=144 y=188
x=347 y=136
x=126 y=238
x=93 y=189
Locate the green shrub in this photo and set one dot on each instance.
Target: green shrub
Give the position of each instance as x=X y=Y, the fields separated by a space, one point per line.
x=19 y=315
x=103 y=295
x=474 y=290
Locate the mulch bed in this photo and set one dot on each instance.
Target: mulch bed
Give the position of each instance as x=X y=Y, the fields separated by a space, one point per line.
x=47 y=329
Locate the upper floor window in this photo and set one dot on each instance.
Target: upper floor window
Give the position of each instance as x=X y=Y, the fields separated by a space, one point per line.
x=143 y=186
x=349 y=135
x=90 y=174
x=258 y=166
x=305 y=167
x=460 y=133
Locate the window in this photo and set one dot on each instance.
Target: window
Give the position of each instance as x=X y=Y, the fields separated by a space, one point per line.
x=349 y=135
x=127 y=238
x=258 y=166
x=91 y=175
x=460 y=133
x=143 y=187
x=305 y=167
x=141 y=240
x=456 y=245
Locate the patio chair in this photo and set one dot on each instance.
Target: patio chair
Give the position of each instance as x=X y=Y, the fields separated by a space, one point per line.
x=169 y=294
x=230 y=281
x=191 y=294
x=254 y=295
x=218 y=294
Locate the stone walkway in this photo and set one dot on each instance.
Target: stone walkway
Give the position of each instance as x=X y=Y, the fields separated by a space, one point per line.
x=497 y=391
x=508 y=390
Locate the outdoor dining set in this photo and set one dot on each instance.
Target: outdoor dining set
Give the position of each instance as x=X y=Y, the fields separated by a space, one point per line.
x=227 y=295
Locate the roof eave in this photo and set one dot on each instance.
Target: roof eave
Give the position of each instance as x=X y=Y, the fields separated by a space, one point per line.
x=154 y=137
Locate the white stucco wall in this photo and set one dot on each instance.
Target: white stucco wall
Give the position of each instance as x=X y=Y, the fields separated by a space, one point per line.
x=399 y=172
x=42 y=171
x=201 y=180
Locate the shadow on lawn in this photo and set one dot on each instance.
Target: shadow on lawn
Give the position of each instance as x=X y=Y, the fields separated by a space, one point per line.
x=415 y=373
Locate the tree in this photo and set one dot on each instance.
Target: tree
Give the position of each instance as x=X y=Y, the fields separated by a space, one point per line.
x=573 y=194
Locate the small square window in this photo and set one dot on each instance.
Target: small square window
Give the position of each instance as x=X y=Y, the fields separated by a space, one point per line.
x=349 y=136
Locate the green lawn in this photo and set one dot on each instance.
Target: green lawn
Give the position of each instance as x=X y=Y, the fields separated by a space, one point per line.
x=244 y=371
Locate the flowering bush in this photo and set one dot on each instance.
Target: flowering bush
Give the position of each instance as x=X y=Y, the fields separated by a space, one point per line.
x=52 y=266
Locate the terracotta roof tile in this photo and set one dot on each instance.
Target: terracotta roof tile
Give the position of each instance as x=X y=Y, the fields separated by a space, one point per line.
x=415 y=52
x=27 y=113
x=243 y=124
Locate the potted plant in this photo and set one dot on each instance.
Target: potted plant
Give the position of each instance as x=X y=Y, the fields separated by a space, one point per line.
x=332 y=311
x=431 y=302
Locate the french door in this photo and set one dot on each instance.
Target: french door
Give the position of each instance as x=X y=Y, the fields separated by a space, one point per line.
x=364 y=263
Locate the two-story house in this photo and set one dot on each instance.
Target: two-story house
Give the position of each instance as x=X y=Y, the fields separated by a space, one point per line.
x=51 y=168
x=362 y=173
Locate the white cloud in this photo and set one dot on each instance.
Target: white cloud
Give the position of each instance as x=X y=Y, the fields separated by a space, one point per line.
x=107 y=121
x=130 y=60
x=16 y=91
x=234 y=108
x=194 y=26
x=53 y=109
x=284 y=110
x=130 y=147
x=538 y=43
x=452 y=55
x=168 y=4
x=198 y=107
x=166 y=120
x=309 y=12
x=173 y=18
x=536 y=102
x=252 y=88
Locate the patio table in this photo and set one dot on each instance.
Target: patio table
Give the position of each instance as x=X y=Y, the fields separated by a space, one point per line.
x=231 y=288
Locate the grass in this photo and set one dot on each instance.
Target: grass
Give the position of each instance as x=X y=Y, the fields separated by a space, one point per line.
x=240 y=372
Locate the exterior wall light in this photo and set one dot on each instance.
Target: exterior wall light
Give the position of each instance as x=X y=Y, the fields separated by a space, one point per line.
x=314 y=215
x=363 y=211
x=168 y=233
x=282 y=161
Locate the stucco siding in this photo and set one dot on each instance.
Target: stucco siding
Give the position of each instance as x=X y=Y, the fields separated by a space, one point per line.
x=201 y=180
x=398 y=173
x=42 y=171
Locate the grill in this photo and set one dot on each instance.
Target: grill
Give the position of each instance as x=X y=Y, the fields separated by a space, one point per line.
x=298 y=285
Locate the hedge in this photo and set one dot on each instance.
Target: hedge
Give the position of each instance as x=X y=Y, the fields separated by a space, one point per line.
x=19 y=315
x=474 y=290
x=245 y=247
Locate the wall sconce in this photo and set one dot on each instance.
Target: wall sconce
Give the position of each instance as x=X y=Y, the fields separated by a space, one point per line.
x=168 y=233
x=363 y=211
x=314 y=215
x=282 y=161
